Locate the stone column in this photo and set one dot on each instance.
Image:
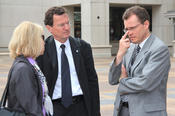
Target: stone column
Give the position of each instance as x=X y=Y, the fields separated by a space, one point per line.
x=173 y=42
x=95 y=26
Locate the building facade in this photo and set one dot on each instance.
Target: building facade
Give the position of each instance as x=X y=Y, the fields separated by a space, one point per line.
x=95 y=21
x=171 y=16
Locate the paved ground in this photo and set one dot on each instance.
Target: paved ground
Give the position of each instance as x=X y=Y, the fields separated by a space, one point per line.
x=107 y=92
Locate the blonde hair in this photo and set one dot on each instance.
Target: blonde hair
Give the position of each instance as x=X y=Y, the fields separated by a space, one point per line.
x=26 y=40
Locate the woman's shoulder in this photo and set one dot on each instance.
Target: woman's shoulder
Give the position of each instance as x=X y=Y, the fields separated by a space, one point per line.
x=21 y=63
x=21 y=66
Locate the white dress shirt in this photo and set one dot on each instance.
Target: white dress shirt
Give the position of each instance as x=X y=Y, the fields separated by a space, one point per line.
x=143 y=42
x=76 y=89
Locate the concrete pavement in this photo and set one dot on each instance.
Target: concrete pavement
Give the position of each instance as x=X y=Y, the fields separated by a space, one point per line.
x=107 y=92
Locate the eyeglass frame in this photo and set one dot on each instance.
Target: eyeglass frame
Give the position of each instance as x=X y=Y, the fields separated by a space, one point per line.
x=63 y=24
x=131 y=28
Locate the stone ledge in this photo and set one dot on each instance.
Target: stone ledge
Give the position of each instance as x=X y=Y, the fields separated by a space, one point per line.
x=101 y=51
x=4 y=53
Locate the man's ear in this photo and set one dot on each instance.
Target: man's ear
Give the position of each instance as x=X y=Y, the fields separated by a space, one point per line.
x=49 y=28
x=146 y=24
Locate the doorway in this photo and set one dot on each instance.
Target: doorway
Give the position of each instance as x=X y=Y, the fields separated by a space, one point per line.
x=77 y=22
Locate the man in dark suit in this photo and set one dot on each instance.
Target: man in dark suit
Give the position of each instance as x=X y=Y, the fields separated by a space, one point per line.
x=83 y=79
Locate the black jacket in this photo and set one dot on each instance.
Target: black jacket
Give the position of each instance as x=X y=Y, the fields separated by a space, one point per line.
x=84 y=66
x=25 y=91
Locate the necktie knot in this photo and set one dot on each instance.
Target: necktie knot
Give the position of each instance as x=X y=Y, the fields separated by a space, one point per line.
x=62 y=46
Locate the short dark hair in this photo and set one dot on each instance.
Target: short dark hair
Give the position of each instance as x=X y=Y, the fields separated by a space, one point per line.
x=139 y=11
x=52 y=11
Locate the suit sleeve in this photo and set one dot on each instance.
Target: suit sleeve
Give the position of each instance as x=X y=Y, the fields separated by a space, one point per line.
x=152 y=74
x=92 y=80
x=25 y=89
x=114 y=73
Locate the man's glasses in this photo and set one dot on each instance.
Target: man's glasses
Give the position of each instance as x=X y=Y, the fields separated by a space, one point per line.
x=131 y=28
x=63 y=24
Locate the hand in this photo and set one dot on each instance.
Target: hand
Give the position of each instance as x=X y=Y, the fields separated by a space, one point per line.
x=124 y=44
x=124 y=73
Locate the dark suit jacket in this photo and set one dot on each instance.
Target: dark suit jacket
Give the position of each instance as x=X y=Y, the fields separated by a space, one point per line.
x=25 y=90
x=84 y=64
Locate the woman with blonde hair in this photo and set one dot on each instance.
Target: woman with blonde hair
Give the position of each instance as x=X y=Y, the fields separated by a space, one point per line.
x=28 y=90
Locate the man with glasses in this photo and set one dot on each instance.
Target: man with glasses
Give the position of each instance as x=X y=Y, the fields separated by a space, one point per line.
x=140 y=68
x=69 y=68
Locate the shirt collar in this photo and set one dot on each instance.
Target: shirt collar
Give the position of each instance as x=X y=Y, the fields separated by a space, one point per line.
x=143 y=42
x=58 y=44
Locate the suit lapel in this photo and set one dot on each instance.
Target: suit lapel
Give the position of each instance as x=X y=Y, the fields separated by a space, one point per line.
x=142 y=53
x=52 y=52
x=75 y=47
x=52 y=59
